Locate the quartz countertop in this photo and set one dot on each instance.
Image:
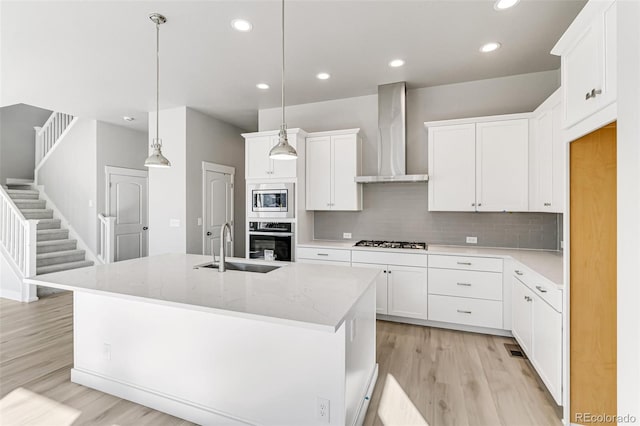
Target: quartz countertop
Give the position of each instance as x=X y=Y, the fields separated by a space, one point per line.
x=547 y=263
x=312 y=296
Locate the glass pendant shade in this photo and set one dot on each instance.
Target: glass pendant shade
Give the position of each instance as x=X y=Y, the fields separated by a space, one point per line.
x=282 y=150
x=156 y=159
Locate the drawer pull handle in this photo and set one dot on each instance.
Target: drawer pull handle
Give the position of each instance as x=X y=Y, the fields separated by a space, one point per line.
x=547 y=204
x=464 y=263
x=541 y=289
x=592 y=94
x=519 y=273
x=323 y=254
x=528 y=299
x=464 y=284
x=463 y=312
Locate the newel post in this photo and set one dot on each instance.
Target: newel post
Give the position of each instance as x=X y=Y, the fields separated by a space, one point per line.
x=30 y=256
x=39 y=147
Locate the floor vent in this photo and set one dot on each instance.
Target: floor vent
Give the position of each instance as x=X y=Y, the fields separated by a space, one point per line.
x=514 y=350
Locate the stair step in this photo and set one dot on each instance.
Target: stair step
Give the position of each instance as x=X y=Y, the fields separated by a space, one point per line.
x=49 y=224
x=30 y=204
x=55 y=245
x=52 y=234
x=56 y=257
x=23 y=194
x=37 y=213
x=16 y=181
x=63 y=267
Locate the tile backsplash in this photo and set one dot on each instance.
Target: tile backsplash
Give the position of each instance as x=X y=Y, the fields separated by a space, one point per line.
x=398 y=211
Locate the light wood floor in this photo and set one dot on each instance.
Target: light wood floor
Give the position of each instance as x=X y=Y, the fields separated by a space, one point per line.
x=452 y=378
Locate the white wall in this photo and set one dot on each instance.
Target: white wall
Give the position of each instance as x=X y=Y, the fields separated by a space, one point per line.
x=629 y=208
x=167 y=186
x=215 y=141
x=69 y=178
x=17 y=140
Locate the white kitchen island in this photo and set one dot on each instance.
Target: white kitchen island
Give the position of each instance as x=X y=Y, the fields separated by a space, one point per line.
x=295 y=346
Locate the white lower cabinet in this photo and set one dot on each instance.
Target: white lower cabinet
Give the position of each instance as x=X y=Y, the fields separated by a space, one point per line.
x=407 y=291
x=522 y=315
x=381 y=285
x=465 y=310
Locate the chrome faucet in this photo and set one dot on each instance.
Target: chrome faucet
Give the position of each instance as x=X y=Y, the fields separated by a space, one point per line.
x=225 y=227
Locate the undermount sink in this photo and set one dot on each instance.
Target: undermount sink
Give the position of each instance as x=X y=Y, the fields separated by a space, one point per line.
x=237 y=266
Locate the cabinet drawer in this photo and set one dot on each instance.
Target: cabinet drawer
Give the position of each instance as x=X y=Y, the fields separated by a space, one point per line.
x=389 y=258
x=468 y=263
x=324 y=262
x=540 y=286
x=463 y=310
x=324 y=254
x=475 y=284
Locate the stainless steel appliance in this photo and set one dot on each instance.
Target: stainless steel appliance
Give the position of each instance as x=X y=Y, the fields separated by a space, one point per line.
x=392 y=244
x=271 y=200
x=275 y=236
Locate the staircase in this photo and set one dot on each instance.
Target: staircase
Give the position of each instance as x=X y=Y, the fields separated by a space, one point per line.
x=55 y=251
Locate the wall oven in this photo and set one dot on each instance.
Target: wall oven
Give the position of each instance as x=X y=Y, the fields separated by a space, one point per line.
x=271 y=200
x=275 y=237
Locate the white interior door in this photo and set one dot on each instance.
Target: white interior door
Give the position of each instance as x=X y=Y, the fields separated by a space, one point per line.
x=218 y=206
x=127 y=202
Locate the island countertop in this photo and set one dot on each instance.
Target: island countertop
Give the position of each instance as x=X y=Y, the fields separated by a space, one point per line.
x=311 y=296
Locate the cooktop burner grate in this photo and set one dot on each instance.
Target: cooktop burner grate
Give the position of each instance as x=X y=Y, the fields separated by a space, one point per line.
x=392 y=244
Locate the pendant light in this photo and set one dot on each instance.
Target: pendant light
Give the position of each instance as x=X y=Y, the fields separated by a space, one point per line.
x=156 y=159
x=283 y=151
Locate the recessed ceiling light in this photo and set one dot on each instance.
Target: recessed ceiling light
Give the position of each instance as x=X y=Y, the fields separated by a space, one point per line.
x=323 y=76
x=263 y=86
x=396 y=63
x=241 y=25
x=127 y=118
x=490 y=47
x=505 y=4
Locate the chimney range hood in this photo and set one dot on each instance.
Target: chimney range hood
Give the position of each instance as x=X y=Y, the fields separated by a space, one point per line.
x=392 y=137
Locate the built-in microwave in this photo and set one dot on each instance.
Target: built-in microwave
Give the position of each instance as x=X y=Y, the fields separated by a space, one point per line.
x=271 y=200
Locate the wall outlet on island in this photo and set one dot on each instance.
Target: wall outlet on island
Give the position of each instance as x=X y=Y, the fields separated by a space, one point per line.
x=472 y=240
x=323 y=410
x=346 y=235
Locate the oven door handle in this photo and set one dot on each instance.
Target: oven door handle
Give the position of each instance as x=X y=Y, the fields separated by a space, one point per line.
x=281 y=234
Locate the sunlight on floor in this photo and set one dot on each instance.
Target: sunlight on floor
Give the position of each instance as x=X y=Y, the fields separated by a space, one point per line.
x=25 y=408
x=396 y=409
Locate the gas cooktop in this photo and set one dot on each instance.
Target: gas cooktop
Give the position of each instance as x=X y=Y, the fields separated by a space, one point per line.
x=392 y=244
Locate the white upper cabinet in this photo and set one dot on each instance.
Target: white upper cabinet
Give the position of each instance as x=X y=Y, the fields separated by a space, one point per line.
x=547 y=157
x=333 y=162
x=258 y=165
x=479 y=164
x=452 y=168
x=588 y=51
x=502 y=165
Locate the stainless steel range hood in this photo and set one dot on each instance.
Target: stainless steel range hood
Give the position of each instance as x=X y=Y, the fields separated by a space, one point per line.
x=392 y=137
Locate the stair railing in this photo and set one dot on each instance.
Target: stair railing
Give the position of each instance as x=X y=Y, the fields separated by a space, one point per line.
x=106 y=246
x=18 y=235
x=48 y=135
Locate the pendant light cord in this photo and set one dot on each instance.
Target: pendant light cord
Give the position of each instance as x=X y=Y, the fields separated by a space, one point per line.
x=157 y=82
x=283 y=120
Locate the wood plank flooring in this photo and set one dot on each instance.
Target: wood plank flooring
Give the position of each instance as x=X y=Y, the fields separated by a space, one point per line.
x=450 y=377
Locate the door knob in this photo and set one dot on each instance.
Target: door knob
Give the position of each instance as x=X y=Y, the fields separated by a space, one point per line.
x=209 y=234
x=144 y=228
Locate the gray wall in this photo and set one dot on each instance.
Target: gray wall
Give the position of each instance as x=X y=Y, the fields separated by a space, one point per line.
x=214 y=141
x=69 y=178
x=407 y=202
x=17 y=140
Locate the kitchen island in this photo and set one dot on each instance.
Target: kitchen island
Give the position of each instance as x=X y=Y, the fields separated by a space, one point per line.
x=294 y=346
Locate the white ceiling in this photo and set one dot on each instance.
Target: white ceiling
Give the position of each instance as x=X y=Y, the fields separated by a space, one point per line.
x=96 y=59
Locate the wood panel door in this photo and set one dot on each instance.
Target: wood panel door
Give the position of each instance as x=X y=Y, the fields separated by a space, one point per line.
x=593 y=263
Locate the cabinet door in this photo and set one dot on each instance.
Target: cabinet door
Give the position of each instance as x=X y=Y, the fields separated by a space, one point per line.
x=547 y=346
x=582 y=71
x=381 y=285
x=407 y=291
x=559 y=153
x=257 y=156
x=452 y=168
x=284 y=168
x=502 y=166
x=542 y=162
x=318 y=173
x=522 y=315
x=346 y=193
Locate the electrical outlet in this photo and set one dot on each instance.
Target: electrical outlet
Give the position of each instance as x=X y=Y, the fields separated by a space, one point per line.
x=472 y=240
x=106 y=351
x=353 y=329
x=323 y=409
x=199 y=221
x=346 y=235
x=561 y=244
x=174 y=223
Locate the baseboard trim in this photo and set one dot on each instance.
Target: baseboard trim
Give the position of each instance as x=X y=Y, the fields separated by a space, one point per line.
x=446 y=325
x=177 y=407
x=362 y=410
x=11 y=295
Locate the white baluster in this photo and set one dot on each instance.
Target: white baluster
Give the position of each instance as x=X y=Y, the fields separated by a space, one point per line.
x=31 y=247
